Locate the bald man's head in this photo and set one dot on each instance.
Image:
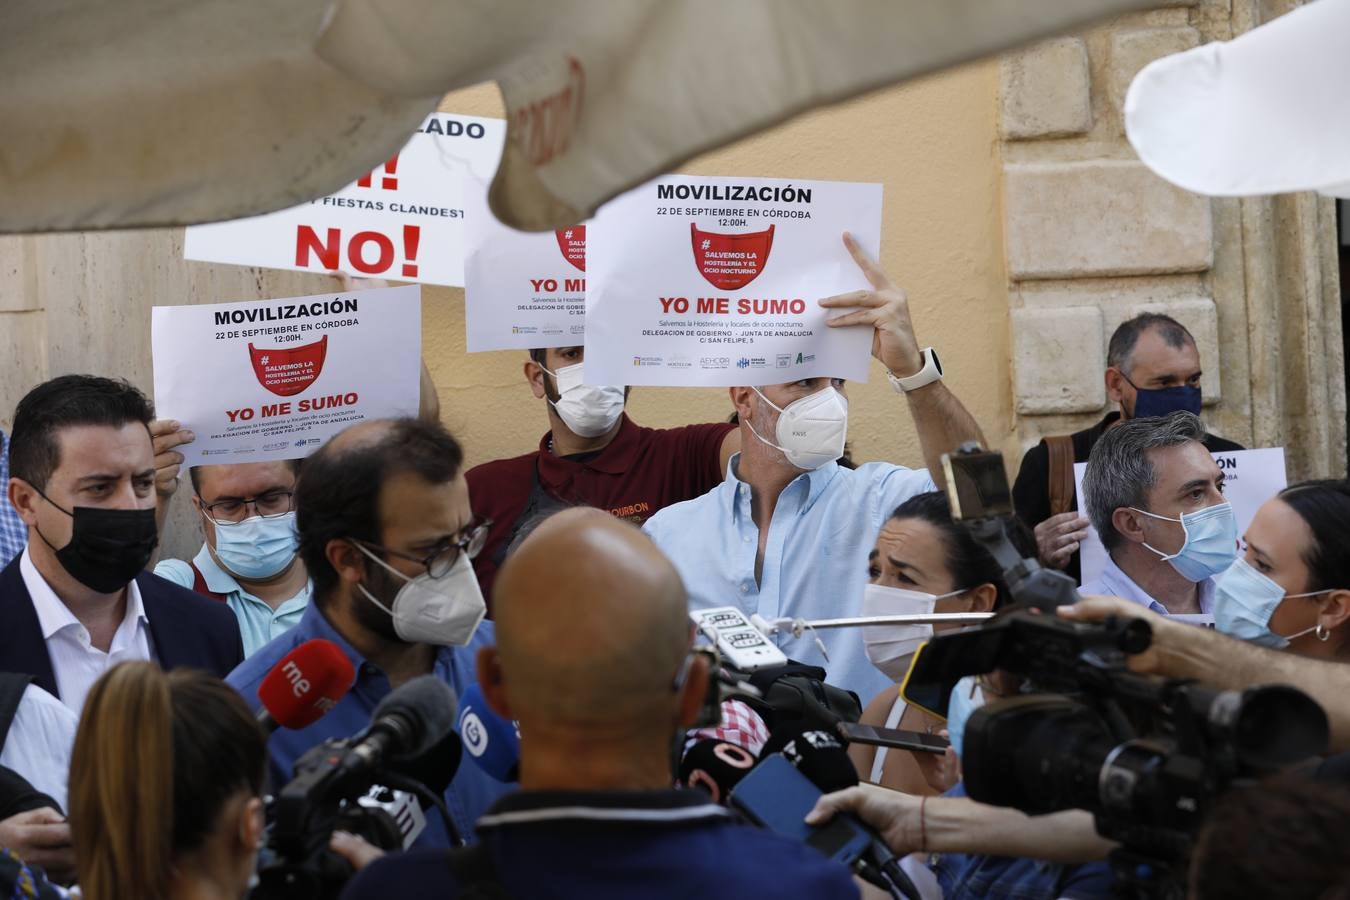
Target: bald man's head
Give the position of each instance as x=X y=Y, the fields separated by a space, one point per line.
x=592 y=624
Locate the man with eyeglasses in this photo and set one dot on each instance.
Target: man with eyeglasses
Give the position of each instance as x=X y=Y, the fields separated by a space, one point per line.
x=249 y=559
x=387 y=535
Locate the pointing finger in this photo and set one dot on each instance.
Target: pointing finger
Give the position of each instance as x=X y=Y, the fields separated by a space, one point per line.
x=869 y=266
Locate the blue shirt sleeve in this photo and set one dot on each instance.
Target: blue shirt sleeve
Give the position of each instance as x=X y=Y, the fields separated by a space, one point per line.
x=179 y=571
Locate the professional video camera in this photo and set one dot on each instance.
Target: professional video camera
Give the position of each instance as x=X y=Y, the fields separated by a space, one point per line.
x=346 y=784
x=1147 y=756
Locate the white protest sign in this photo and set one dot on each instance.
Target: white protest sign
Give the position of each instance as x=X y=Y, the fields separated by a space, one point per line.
x=404 y=220
x=699 y=281
x=522 y=289
x=1251 y=477
x=273 y=379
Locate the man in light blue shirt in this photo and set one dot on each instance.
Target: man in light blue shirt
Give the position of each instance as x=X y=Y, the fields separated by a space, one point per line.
x=787 y=534
x=1155 y=496
x=13 y=533
x=249 y=559
x=387 y=533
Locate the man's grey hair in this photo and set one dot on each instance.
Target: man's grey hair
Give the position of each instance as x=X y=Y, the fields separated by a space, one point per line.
x=1119 y=472
x=1127 y=334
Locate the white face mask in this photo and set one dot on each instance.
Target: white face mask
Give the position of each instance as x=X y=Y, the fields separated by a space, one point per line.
x=588 y=410
x=442 y=611
x=891 y=647
x=811 y=431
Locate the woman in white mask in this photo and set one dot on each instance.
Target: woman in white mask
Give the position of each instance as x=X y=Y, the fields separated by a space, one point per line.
x=922 y=562
x=1290 y=588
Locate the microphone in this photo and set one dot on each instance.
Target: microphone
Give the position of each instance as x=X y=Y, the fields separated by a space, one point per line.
x=408 y=723
x=435 y=768
x=493 y=743
x=821 y=757
x=304 y=685
x=716 y=758
x=716 y=767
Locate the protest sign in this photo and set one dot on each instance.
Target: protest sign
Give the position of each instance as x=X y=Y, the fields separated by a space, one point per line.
x=1251 y=477
x=704 y=281
x=273 y=379
x=404 y=220
x=521 y=289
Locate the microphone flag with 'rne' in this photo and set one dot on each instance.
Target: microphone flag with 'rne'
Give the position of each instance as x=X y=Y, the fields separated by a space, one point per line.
x=304 y=685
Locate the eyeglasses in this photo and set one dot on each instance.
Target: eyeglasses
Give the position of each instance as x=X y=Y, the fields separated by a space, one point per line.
x=442 y=559
x=233 y=510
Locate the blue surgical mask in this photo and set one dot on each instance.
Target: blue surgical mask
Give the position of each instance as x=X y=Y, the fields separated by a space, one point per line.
x=257 y=547
x=965 y=699
x=1211 y=542
x=1244 y=601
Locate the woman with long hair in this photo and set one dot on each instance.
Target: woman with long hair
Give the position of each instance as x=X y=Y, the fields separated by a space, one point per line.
x=165 y=788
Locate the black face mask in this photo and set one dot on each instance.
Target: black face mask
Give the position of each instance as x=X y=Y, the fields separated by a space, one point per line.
x=108 y=547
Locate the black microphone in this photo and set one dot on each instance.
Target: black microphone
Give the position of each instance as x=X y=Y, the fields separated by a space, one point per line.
x=435 y=768
x=821 y=757
x=715 y=766
x=408 y=723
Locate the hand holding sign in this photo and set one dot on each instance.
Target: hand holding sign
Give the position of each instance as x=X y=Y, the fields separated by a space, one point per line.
x=165 y=435
x=885 y=309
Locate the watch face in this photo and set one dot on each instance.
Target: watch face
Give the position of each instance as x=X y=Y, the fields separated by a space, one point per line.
x=937 y=363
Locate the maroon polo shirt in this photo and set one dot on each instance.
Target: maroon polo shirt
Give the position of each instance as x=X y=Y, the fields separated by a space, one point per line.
x=638 y=473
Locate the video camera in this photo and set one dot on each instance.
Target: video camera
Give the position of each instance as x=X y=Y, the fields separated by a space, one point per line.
x=1147 y=756
x=366 y=785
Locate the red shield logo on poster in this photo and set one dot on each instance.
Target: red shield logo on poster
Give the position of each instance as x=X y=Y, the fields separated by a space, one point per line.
x=288 y=372
x=572 y=243
x=731 y=261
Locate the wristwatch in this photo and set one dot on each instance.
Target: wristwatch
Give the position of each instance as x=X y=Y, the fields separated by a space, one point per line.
x=931 y=372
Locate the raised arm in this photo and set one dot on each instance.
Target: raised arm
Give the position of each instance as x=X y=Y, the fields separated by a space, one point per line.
x=940 y=419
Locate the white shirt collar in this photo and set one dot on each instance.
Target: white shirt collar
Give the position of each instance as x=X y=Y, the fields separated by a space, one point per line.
x=54 y=616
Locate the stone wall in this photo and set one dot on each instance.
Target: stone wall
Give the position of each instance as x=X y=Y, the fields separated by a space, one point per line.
x=1092 y=238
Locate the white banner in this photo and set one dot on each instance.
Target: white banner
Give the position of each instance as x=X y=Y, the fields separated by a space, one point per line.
x=522 y=289
x=274 y=379
x=1251 y=477
x=404 y=220
x=702 y=281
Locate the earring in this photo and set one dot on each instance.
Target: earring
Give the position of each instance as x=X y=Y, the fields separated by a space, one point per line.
x=1323 y=632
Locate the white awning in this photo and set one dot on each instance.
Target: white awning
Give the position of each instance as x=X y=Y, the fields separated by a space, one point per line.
x=1265 y=113
x=167 y=112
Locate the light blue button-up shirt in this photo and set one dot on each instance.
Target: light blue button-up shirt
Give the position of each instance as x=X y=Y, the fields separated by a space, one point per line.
x=258 y=621
x=1113 y=582
x=815 y=562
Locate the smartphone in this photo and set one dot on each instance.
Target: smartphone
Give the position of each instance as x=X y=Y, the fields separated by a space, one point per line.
x=776 y=796
x=977 y=485
x=916 y=741
x=946 y=658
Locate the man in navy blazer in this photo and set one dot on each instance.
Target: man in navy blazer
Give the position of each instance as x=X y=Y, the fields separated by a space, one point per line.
x=77 y=602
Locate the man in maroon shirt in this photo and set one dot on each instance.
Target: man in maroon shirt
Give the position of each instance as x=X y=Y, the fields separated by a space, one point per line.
x=592 y=455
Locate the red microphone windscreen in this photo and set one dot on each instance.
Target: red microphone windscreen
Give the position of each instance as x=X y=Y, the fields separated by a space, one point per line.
x=306 y=683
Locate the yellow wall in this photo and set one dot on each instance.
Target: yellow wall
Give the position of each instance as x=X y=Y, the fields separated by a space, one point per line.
x=933 y=144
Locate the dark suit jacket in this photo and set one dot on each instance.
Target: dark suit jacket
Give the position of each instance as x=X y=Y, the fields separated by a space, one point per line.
x=185 y=629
